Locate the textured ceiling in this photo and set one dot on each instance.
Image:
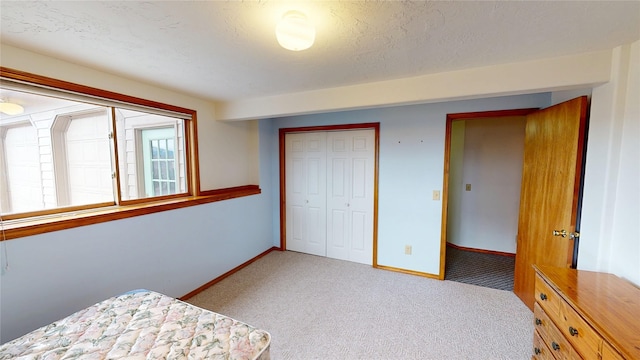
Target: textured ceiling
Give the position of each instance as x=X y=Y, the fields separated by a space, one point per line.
x=227 y=50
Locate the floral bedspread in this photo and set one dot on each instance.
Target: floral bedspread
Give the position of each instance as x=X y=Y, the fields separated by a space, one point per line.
x=142 y=325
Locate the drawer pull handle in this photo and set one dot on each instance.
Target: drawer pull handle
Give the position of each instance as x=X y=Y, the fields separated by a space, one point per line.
x=573 y=331
x=555 y=346
x=543 y=296
x=537 y=351
x=539 y=322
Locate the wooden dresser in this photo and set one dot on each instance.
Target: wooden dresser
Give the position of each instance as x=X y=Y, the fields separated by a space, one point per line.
x=585 y=315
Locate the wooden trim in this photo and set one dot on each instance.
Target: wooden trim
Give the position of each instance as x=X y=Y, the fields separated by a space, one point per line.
x=62 y=85
x=283 y=194
x=116 y=158
x=17 y=229
x=445 y=199
x=191 y=146
x=483 y=251
x=361 y=126
x=375 y=195
x=490 y=114
x=579 y=179
x=447 y=154
x=244 y=190
x=410 y=272
x=47 y=212
x=225 y=275
x=145 y=200
x=331 y=127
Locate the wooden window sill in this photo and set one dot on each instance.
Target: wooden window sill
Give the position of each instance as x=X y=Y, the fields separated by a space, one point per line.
x=21 y=228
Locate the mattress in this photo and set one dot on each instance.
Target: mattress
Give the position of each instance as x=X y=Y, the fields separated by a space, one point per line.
x=142 y=325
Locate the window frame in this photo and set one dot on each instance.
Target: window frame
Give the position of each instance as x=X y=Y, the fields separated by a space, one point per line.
x=37 y=222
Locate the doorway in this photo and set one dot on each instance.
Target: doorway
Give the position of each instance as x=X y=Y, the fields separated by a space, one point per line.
x=550 y=194
x=485 y=171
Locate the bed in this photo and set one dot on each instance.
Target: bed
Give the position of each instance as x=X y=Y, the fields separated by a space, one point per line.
x=142 y=324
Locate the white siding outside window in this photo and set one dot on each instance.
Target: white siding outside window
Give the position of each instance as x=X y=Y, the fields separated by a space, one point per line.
x=23 y=173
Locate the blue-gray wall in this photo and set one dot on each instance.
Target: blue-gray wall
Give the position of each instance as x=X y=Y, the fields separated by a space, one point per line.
x=411 y=167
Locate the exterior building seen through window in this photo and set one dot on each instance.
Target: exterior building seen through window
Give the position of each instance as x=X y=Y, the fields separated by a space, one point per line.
x=63 y=153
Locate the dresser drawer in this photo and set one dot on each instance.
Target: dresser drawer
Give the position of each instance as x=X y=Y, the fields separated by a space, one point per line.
x=582 y=337
x=608 y=353
x=548 y=298
x=540 y=349
x=558 y=345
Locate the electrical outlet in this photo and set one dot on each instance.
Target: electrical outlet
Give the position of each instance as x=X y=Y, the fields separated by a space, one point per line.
x=436 y=194
x=407 y=249
x=468 y=187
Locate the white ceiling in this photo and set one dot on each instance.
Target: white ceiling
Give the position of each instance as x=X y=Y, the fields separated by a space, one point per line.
x=226 y=50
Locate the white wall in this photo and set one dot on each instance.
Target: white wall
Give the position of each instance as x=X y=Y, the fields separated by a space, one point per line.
x=610 y=233
x=487 y=216
x=411 y=167
x=542 y=75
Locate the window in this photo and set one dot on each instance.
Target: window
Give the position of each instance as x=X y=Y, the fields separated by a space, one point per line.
x=71 y=151
x=61 y=155
x=159 y=158
x=80 y=155
x=152 y=153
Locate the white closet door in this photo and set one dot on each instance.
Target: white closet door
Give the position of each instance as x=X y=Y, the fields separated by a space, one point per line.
x=350 y=182
x=306 y=220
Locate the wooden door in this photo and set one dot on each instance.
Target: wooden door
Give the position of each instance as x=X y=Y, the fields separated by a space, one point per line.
x=306 y=193
x=551 y=181
x=350 y=189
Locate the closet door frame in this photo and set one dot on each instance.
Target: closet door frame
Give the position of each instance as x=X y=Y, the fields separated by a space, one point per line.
x=283 y=185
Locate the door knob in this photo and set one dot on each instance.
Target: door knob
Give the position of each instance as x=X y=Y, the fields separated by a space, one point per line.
x=562 y=233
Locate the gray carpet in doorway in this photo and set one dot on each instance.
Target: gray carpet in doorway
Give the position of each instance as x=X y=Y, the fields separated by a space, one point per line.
x=488 y=270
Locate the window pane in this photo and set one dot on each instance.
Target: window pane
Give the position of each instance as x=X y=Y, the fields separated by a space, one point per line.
x=163 y=149
x=154 y=149
x=148 y=143
x=88 y=159
x=163 y=170
x=172 y=171
x=170 y=154
x=24 y=179
x=156 y=170
x=57 y=154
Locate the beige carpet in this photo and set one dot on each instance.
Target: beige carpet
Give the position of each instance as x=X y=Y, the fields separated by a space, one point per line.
x=319 y=308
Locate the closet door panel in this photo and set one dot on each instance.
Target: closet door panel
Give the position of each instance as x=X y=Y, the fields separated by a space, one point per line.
x=337 y=248
x=306 y=192
x=337 y=195
x=354 y=152
x=296 y=223
x=359 y=232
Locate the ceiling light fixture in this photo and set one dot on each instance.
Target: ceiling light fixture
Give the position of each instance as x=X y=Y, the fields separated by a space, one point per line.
x=295 y=32
x=10 y=108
